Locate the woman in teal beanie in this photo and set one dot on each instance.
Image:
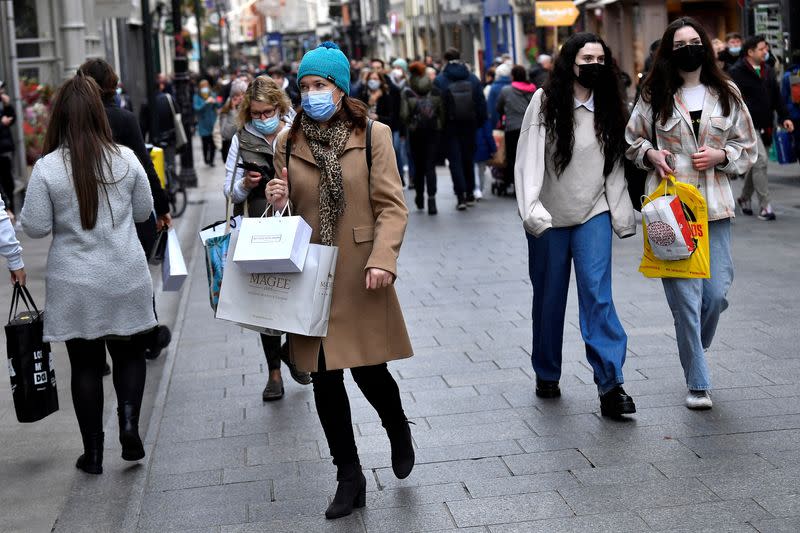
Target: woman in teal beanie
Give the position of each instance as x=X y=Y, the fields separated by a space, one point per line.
x=352 y=198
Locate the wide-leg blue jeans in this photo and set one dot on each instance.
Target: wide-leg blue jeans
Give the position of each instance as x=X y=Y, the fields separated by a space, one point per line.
x=550 y=259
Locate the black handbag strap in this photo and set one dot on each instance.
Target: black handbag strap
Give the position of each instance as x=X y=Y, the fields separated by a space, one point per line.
x=21 y=293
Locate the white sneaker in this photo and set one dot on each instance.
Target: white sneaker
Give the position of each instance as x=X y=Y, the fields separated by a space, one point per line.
x=698 y=399
x=478 y=194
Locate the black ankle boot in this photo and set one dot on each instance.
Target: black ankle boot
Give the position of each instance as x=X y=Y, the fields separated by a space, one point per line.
x=402 y=448
x=132 y=448
x=91 y=461
x=432 y=206
x=351 y=492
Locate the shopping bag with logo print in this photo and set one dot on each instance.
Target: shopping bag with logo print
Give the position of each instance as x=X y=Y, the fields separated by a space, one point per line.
x=675 y=223
x=295 y=303
x=30 y=362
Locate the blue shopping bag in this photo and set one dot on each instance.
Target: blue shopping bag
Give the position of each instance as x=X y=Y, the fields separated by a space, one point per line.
x=784 y=147
x=216 y=254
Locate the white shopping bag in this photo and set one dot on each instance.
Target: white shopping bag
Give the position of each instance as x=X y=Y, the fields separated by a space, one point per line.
x=217 y=229
x=173 y=270
x=275 y=244
x=668 y=231
x=293 y=302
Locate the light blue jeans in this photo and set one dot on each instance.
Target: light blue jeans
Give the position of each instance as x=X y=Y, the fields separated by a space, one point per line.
x=697 y=303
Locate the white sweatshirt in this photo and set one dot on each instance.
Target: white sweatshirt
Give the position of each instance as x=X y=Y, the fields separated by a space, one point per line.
x=9 y=245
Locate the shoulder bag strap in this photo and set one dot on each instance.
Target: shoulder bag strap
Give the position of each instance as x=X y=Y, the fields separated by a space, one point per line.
x=229 y=203
x=169 y=101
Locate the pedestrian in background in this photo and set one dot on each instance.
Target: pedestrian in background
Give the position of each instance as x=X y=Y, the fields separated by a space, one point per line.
x=229 y=116
x=790 y=92
x=361 y=210
x=422 y=113
x=571 y=192
x=398 y=80
x=8 y=116
x=162 y=132
x=10 y=247
x=761 y=93
x=375 y=94
x=512 y=104
x=280 y=76
x=704 y=133
x=88 y=192
x=205 y=107
x=125 y=131
x=541 y=70
x=733 y=50
x=465 y=112
x=264 y=112
x=502 y=80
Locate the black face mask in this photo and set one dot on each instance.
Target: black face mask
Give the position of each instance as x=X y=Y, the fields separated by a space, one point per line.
x=589 y=74
x=689 y=58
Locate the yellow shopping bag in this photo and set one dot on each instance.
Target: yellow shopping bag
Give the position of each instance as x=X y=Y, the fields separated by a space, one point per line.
x=698 y=264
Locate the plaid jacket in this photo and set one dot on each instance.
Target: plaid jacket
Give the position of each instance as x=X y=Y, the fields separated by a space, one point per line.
x=733 y=133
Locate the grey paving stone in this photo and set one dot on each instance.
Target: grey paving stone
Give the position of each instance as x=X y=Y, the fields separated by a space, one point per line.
x=698 y=466
x=457 y=406
x=557 y=442
x=543 y=482
x=599 y=523
x=618 y=474
x=505 y=509
x=160 y=483
x=416 y=496
x=783 y=506
x=275 y=471
x=778 y=525
x=446 y=472
x=287 y=511
x=462 y=378
x=348 y=524
x=302 y=451
x=702 y=516
x=637 y=452
x=497 y=431
x=457 y=452
x=551 y=461
x=407 y=519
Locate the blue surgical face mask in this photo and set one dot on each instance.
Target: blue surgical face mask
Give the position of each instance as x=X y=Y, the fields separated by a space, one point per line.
x=318 y=105
x=267 y=127
x=374 y=84
x=735 y=50
x=766 y=56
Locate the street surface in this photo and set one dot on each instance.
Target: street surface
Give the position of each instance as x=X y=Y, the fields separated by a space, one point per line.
x=491 y=457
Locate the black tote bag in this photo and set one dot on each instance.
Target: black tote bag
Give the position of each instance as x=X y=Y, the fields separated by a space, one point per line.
x=30 y=362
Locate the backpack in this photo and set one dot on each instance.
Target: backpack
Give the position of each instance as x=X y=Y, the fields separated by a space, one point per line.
x=422 y=110
x=462 y=104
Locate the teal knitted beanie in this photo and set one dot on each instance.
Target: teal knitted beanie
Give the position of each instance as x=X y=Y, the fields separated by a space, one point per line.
x=329 y=62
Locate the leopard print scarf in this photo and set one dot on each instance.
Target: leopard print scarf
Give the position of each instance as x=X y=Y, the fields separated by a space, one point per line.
x=327 y=146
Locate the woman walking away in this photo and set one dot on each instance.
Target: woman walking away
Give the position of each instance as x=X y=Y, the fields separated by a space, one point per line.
x=571 y=193
x=422 y=113
x=357 y=205
x=703 y=134
x=205 y=106
x=229 y=115
x=263 y=114
x=88 y=192
x=512 y=103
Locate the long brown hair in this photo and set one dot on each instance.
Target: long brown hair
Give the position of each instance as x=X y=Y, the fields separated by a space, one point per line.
x=664 y=80
x=103 y=73
x=78 y=123
x=353 y=110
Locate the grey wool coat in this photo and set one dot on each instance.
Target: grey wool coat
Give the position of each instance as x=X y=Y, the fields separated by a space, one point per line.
x=98 y=283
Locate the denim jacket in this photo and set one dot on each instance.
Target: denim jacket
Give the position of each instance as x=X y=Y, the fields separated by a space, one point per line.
x=733 y=133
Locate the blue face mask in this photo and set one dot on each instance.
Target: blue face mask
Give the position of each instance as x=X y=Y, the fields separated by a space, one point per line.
x=766 y=56
x=266 y=127
x=318 y=105
x=735 y=50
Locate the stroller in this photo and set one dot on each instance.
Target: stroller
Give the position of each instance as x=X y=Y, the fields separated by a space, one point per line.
x=501 y=186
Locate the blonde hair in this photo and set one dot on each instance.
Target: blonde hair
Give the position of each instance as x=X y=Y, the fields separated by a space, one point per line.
x=263 y=89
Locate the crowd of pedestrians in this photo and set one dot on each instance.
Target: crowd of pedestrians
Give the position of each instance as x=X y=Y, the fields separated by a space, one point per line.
x=337 y=139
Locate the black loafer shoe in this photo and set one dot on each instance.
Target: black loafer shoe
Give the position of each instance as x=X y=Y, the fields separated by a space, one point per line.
x=303 y=378
x=616 y=403
x=547 y=389
x=273 y=391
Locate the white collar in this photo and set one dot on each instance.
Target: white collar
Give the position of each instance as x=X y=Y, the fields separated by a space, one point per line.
x=588 y=104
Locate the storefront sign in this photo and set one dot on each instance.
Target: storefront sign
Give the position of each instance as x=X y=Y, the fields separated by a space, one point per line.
x=556 y=13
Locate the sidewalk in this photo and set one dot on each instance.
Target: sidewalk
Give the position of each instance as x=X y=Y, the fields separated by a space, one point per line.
x=490 y=455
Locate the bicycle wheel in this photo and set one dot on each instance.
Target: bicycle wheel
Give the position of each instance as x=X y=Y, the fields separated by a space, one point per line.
x=177 y=199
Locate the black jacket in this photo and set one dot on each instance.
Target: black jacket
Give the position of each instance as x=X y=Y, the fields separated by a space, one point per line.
x=125 y=130
x=384 y=107
x=457 y=71
x=164 y=129
x=6 y=140
x=761 y=93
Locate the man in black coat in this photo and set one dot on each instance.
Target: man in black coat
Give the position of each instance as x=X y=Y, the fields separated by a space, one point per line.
x=761 y=93
x=7 y=118
x=125 y=131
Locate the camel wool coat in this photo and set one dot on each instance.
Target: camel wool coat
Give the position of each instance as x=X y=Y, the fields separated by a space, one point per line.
x=366 y=327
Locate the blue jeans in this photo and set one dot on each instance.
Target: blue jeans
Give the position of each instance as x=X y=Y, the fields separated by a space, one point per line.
x=400 y=151
x=550 y=259
x=697 y=303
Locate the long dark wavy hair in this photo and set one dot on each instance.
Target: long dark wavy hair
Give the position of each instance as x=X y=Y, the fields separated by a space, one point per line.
x=664 y=79
x=78 y=123
x=558 y=106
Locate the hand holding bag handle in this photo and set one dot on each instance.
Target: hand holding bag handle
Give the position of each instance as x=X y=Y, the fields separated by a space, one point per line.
x=21 y=292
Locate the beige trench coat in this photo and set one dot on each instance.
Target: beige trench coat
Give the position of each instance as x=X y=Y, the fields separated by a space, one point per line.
x=366 y=327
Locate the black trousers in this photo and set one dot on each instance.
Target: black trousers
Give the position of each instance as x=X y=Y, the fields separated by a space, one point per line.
x=87 y=360
x=7 y=179
x=424 y=145
x=208 y=149
x=226 y=146
x=272 y=351
x=461 y=148
x=512 y=139
x=333 y=406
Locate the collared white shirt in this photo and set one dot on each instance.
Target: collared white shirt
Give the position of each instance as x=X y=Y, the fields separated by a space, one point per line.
x=588 y=104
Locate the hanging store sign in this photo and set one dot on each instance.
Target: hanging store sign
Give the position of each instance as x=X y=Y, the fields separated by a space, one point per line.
x=556 y=13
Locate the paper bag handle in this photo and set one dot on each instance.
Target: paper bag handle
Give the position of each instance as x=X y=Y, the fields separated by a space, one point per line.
x=276 y=213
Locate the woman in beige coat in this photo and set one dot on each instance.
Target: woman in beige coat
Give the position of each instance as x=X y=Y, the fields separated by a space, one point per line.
x=352 y=198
